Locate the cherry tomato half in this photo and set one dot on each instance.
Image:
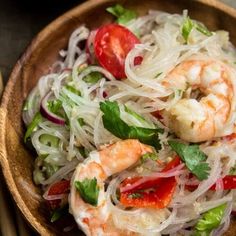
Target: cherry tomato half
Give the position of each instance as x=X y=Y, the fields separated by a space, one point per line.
x=111 y=45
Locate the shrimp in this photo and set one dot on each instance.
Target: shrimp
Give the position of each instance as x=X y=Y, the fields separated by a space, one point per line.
x=95 y=221
x=211 y=113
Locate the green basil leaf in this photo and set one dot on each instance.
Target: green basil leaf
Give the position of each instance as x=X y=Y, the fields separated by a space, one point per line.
x=88 y=190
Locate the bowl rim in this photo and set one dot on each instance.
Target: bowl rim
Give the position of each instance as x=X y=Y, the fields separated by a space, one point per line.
x=16 y=72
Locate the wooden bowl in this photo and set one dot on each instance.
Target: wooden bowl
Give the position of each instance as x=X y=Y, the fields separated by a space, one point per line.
x=16 y=160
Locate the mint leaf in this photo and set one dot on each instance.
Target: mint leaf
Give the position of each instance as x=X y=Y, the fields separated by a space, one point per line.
x=88 y=190
x=210 y=220
x=187 y=27
x=32 y=126
x=113 y=123
x=123 y=15
x=193 y=157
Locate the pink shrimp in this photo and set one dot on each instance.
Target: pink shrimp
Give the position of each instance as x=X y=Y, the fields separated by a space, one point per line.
x=209 y=115
x=97 y=220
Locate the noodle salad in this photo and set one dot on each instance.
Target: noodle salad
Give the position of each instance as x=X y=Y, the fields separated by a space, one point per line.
x=134 y=127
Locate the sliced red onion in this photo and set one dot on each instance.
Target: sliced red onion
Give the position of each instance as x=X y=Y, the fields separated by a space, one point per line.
x=48 y=114
x=54 y=197
x=89 y=47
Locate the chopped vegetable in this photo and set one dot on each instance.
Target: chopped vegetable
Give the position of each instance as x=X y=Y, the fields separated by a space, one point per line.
x=193 y=157
x=189 y=25
x=61 y=187
x=123 y=15
x=159 y=196
x=81 y=121
x=88 y=190
x=49 y=140
x=146 y=156
x=93 y=77
x=59 y=212
x=156 y=193
x=73 y=90
x=228 y=182
x=203 y=29
x=84 y=153
x=54 y=106
x=210 y=220
x=33 y=125
x=113 y=57
x=113 y=123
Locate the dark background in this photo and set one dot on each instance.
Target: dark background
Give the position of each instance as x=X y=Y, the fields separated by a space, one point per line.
x=20 y=21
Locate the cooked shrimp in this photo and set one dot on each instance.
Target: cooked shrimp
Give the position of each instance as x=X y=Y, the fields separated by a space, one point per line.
x=211 y=113
x=97 y=220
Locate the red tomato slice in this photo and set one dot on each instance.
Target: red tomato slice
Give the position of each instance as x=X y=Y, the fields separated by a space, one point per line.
x=111 y=45
x=60 y=187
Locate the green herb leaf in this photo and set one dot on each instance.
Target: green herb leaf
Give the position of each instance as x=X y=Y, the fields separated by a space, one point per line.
x=123 y=15
x=135 y=195
x=88 y=190
x=113 y=123
x=210 y=220
x=146 y=156
x=32 y=126
x=59 y=212
x=193 y=157
x=93 y=77
x=187 y=27
x=203 y=29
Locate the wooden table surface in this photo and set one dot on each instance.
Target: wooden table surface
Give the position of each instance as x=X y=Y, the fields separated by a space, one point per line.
x=20 y=21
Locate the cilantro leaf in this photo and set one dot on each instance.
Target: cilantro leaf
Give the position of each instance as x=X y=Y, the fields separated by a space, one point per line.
x=187 y=27
x=193 y=157
x=33 y=125
x=210 y=220
x=146 y=156
x=88 y=190
x=113 y=123
x=93 y=77
x=123 y=15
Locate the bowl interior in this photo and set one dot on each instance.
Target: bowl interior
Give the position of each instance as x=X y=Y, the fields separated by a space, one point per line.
x=17 y=161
